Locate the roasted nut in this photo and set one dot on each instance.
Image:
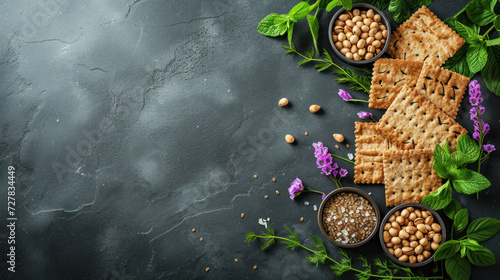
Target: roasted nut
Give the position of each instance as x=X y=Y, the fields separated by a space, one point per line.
x=393 y=232
x=356 y=19
x=344 y=50
x=314 y=108
x=398 y=252
x=346 y=43
x=405 y=213
x=283 y=102
x=429 y=220
x=338 y=29
x=361 y=43
x=377 y=18
x=356 y=30
x=354 y=49
x=422 y=228
x=395 y=240
x=370 y=13
x=342 y=37
x=362 y=52
x=389 y=244
x=339 y=45
x=412 y=259
x=339 y=138
x=419 y=249
x=343 y=17
x=391 y=251
x=403 y=234
x=413 y=244
x=400 y=220
x=423 y=241
x=408 y=250
x=356 y=56
x=419 y=235
x=412 y=237
x=356 y=12
x=434 y=246
x=418 y=213
x=396 y=225
x=403 y=258
x=418 y=221
x=436 y=227
x=391 y=218
x=354 y=39
x=339 y=23
x=420 y=258
x=437 y=238
x=387 y=226
x=412 y=216
x=289 y=138
x=387 y=236
x=376 y=44
x=405 y=243
x=425 y=214
x=384 y=34
x=426 y=254
x=411 y=229
x=368 y=56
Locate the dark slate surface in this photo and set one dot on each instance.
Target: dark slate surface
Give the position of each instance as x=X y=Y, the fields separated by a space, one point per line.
x=132 y=122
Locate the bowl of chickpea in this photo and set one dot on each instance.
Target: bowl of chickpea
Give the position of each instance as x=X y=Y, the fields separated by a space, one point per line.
x=359 y=36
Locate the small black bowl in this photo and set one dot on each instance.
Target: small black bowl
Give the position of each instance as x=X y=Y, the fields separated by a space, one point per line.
x=361 y=6
x=437 y=219
x=360 y=193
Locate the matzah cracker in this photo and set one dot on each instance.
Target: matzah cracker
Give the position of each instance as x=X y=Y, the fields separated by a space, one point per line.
x=409 y=176
x=443 y=88
x=413 y=122
x=389 y=77
x=424 y=37
x=370 y=146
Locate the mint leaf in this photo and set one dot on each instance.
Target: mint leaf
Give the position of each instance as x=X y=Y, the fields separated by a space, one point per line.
x=447 y=250
x=469 y=182
x=491 y=71
x=458 y=62
x=347 y=4
x=334 y=4
x=400 y=10
x=461 y=220
x=481 y=11
x=469 y=34
x=380 y=4
x=300 y=10
x=451 y=210
x=443 y=162
x=496 y=23
x=273 y=25
x=467 y=151
x=493 y=42
x=458 y=268
x=439 y=198
x=477 y=56
x=483 y=229
x=314 y=26
x=479 y=255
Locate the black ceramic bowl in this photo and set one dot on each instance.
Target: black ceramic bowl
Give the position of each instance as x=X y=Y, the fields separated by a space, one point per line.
x=361 y=6
x=437 y=219
x=360 y=193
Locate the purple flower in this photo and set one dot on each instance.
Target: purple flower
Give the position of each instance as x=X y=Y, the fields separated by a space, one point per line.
x=319 y=150
x=323 y=197
x=489 y=148
x=473 y=112
x=295 y=188
x=475 y=93
x=343 y=172
x=476 y=135
x=365 y=115
x=485 y=127
x=344 y=95
x=475 y=100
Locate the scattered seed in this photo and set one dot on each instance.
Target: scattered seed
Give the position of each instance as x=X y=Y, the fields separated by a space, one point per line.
x=336 y=146
x=207 y=269
x=236 y=260
x=314 y=108
x=307 y=133
x=254 y=267
x=283 y=102
x=201 y=239
x=274 y=179
x=243 y=215
x=347 y=145
x=338 y=137
x=302 y=219
x=193 y=230
x=278 y=192
x=266 y=196
x=289 y=139
x=255 y=176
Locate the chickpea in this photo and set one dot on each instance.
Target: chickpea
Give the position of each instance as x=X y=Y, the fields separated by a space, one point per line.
x=436 y=227
x=339 y=23
x=420 y=258
x=354 y=39
x=403 y=258
x=348 y=55
x=361 y=43
x=377 y=18
x=343 y=17
x=344 y=51
x=361 y=52
x=387 y=226
x=370 y=13
x=387 y=236
x=412 y=259
x=434 y=246
x=405 y=213
x=368 y=56
x=346 y=44
x=356 y=31
x=364 y=35
x=356 y=57
x=398 y=252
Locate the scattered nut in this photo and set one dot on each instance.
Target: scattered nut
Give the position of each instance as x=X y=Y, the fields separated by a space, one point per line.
x=254 y=267
x=314 y=108
x=289 y=139
x=255 y=176
x=274 y=179
x=277 y=192
x=207 y=269
x=306 y=133
x=336 y=146
x=193 y=230
x=283 y=102
x=266 y=197
x=347 y=146
x=201 y=239
x=301 y=219
x=338 y=137
x=243 y=215
x=236 y=260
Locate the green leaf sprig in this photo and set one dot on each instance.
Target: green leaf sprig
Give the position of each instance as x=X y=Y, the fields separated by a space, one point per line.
x=479 y=53
x=453 y=167
x=275 y=25
x=460 y=254
x=401 y=10
x=385 y=269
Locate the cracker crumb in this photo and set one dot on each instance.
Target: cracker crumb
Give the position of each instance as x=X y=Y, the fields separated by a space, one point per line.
x=306 y=202
x=315 y=207
x=350 y=156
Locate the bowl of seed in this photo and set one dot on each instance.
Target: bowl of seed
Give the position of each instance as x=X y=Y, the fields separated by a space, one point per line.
x=348 y=217
x=359 y=36
x=410 y=234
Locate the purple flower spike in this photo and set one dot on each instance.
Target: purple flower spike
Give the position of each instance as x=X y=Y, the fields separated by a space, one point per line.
x=323 y=197
x=475 y=93
x=295 y=188
x=489 y=148
x=343 y=172
x=344 y=95
x=365 y=115
x=476 y=135
x=319 y=150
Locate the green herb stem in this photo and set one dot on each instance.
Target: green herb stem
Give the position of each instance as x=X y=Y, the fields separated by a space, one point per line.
x=488 y=31
x=358 y=100
x=339 y=185
x=343 y=158
x=337 y=263
x=306 y=189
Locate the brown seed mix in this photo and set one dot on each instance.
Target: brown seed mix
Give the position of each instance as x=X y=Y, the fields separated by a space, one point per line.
x=414 y=235
x=349 y=218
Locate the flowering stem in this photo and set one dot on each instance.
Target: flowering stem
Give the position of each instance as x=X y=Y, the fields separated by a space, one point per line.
x=306 y=189
x=481 y=139
x=333 y=155
x=358 y=100
x=337 y=182
x=374 y=119
x=491 y=28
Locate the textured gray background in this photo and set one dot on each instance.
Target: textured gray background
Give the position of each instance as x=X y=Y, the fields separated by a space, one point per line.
x=132 y=122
